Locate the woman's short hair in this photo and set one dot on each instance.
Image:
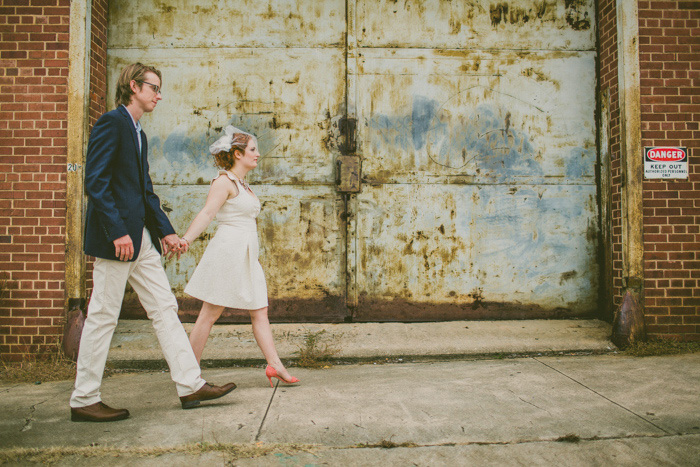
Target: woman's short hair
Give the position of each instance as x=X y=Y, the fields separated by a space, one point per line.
x=226 y=159
x=136 y=72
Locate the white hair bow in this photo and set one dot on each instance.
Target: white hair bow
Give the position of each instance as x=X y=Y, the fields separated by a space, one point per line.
x=225 y=142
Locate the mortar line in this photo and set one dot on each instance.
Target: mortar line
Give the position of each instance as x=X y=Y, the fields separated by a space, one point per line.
x=266 y=411
x=604 y=397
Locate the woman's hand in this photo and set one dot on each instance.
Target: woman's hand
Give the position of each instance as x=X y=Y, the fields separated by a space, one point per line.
x=184 y=244
x=171 y=245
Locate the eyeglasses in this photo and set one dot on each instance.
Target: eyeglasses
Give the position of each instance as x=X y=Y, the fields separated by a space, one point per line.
x=155 y=87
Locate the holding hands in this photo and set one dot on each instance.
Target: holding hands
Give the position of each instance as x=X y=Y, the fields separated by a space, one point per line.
x=173 y=245
x=184 y=244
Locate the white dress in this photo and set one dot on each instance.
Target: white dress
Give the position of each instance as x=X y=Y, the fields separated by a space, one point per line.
x=229 y=273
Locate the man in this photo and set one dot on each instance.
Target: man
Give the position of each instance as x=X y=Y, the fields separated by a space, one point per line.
x=123 y=226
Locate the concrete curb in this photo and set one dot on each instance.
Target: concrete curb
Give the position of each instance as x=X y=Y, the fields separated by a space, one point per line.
x=135 y=346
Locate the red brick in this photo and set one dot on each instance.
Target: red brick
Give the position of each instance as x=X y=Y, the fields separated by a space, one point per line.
x=669 y=319
x=657 y=329
x=679 y=292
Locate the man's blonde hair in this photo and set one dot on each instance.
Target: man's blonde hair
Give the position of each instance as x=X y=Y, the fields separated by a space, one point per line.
x=136 y=72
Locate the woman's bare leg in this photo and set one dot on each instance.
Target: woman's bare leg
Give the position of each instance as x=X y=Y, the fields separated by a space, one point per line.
x=263 y=336
x=202 y=327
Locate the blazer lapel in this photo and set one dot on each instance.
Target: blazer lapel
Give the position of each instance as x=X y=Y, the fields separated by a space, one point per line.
x=132 y=129
x=134 y=138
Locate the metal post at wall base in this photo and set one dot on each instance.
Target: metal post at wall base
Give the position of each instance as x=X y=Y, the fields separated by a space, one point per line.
x=73 y=328
x=629 y=320
x=78 y=105
x=628 y=325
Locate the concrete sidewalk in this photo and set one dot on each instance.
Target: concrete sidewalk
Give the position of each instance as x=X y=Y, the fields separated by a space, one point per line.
x=135 y=345
x=613 y=410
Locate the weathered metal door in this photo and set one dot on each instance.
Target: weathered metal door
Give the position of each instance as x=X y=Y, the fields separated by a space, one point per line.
x=469 y=125
x=477 y=134
x=275 y=69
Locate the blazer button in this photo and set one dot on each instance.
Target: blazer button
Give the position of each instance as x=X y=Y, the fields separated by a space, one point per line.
x=143 y=219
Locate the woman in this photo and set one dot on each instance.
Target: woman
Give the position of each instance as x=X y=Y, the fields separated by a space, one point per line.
x=229 y=274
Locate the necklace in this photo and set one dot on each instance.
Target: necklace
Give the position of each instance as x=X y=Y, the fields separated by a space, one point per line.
x=241 y=181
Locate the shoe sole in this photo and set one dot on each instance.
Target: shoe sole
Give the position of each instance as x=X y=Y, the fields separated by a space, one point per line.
x=81 y=418
x=193 y=404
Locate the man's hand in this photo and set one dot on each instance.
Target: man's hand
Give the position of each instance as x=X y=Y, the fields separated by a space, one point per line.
x=171 y=246
x=124 y=248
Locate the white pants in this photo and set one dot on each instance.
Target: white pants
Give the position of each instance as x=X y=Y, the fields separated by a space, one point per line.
x=147 y=276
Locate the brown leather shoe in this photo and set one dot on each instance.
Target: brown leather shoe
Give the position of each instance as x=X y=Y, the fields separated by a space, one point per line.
x=206 y=393
x=98 y=412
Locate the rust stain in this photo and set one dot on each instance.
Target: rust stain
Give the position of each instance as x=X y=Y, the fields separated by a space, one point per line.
x=333 y=310
x=498 y=12
x=478 y=296
x=198 y=9
x=403 y=310
x=539 y=76
x=567 y=276
x=455 y=26
x=165 y=8
x=460 y=53
x=576 y=14
x=575 y=17
x=473 y=66
x=330 y=309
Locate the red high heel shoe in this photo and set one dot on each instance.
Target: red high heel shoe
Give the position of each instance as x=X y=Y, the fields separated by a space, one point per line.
x=270 y=372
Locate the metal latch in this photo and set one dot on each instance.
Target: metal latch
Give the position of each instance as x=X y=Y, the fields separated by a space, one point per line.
x=348 y=128
x=348 y=173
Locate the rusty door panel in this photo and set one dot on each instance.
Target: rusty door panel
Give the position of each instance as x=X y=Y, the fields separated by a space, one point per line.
x=292 y=101
x=174 y=24
x=474 y=127
x=275 y=69
x=519 y=117
x=434 y=252
x=479 y=24
x=301 y=251
x=477 y=134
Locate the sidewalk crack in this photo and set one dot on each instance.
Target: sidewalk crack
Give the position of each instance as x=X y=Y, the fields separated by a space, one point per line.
x=518 y=441
x=605 y=397
x=262 y=422
x=28 y=420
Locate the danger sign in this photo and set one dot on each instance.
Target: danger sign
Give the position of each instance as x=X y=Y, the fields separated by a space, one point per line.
x=665 y=162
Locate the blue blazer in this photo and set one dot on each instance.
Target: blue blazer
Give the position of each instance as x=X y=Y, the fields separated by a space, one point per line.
x=120 y=193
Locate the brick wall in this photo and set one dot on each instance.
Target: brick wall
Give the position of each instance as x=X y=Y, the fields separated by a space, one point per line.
x=33 y=126
x=34 y=38
x=670 y=99
x=33 y=132
x=99 y=95
x=669 y=55
x=98 y=61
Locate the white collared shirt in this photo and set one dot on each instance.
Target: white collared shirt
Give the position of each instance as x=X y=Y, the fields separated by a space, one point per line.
x=137 y=125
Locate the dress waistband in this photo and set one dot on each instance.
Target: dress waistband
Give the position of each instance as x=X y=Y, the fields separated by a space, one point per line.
x=240 y=225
